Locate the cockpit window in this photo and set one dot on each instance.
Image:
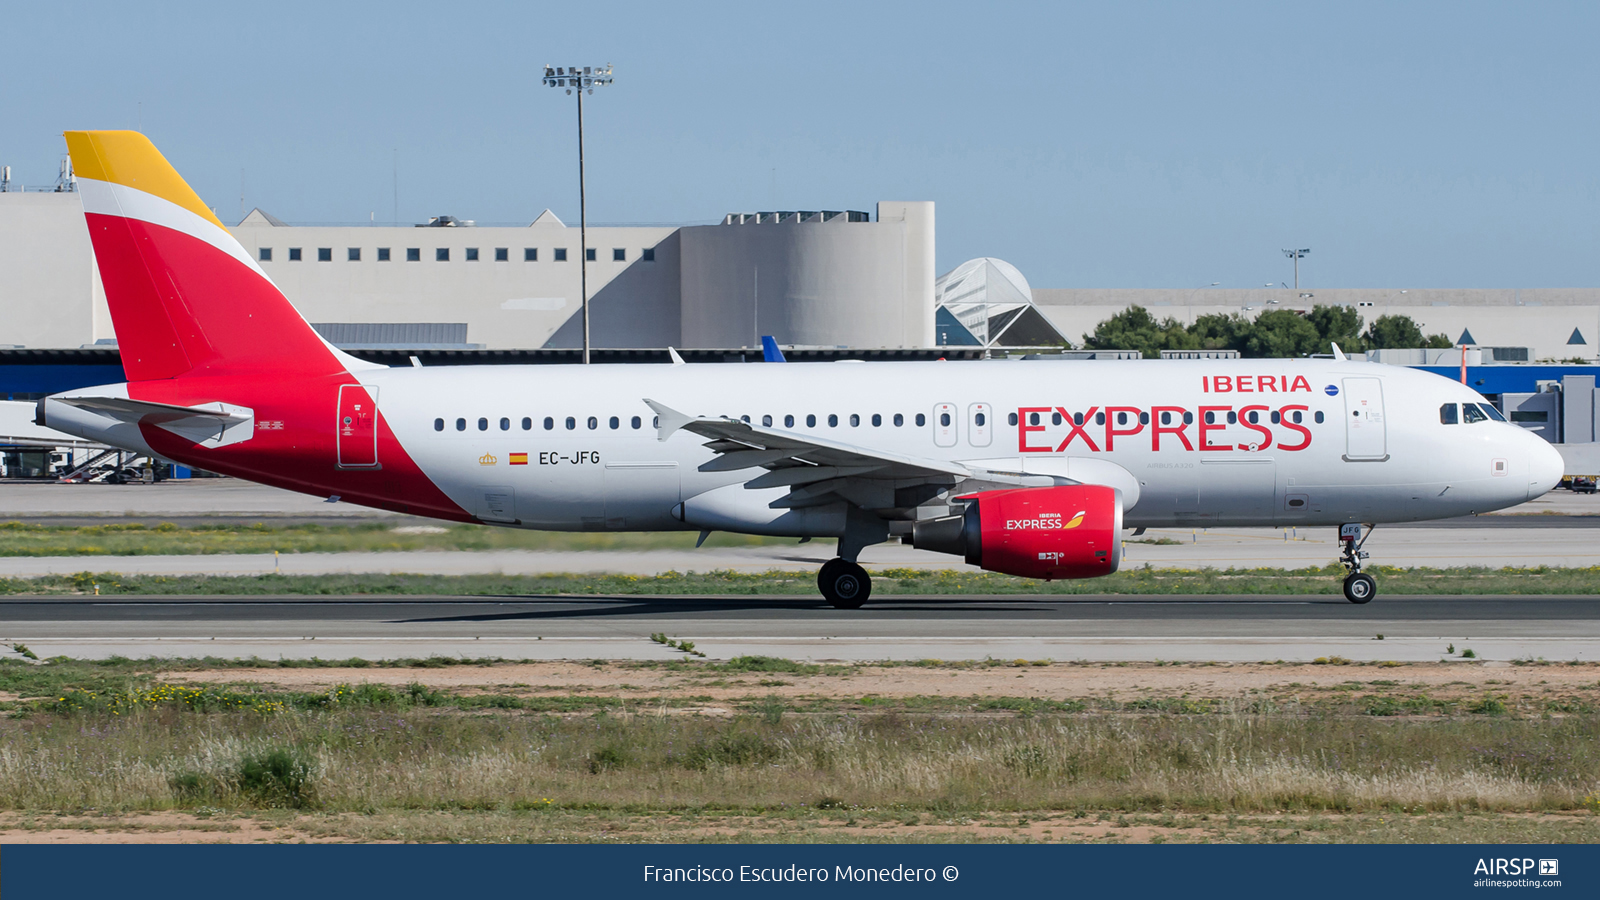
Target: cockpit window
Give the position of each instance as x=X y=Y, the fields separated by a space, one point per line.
x=1473 y=413
x=1493 y=413
x=1447 y=415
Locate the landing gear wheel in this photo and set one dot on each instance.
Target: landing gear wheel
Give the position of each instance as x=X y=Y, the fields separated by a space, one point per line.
x=844 y=585
x=1360 y=587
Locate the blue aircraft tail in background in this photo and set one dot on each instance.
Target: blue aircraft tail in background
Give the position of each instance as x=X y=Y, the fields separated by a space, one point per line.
x=770 y=351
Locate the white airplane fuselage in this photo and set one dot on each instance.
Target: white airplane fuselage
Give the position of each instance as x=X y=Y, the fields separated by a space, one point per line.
x=1332 y=441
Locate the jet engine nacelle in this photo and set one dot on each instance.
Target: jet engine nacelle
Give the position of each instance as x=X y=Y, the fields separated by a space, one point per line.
x=1071 y=531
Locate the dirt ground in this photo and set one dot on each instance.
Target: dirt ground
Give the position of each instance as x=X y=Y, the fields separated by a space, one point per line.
x=1055 y=680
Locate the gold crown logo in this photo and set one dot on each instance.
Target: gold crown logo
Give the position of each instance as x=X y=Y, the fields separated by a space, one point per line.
x=487 y=460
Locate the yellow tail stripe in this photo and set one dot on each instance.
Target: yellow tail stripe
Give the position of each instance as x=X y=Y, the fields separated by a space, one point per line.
x=129 y=159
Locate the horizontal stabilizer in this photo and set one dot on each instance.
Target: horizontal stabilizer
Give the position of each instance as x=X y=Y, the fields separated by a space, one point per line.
x=211 y=424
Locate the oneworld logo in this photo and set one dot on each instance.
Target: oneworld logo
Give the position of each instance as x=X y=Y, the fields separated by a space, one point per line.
x=1332 y=390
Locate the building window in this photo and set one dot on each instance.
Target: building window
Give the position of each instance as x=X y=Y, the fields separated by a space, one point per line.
x=530 y=254
x=505 y=424
x=383 y=254
x=648 y=254
x=502 y=254
x=461 y=424
x=324 y=254
x=441 y=254
x=619 y=255
x=588 y=254
x=353 y=254
x=294 y=254
x=266 y=254
x=472 y=254
x=438 y=424
x=413 y=254
x=560 y=254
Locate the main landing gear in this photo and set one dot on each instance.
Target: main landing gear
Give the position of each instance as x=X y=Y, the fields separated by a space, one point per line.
x=1359 y=587
x=844 y=584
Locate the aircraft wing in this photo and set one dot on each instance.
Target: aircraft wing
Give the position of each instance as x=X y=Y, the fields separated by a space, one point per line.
x=817 y=470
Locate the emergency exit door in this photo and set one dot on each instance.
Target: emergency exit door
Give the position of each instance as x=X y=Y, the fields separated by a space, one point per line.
x=356 y=432
x=1366 y=433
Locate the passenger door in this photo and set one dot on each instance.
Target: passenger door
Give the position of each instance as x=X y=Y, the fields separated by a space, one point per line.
x=356 y=430
x=1366 y=434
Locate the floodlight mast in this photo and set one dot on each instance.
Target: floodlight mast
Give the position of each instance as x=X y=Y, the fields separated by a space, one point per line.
x=1296 y=255
x=583 y=79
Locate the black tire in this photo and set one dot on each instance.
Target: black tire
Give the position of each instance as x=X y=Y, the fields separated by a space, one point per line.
x=823 y=573
x=845 y=585
x=1360 y=588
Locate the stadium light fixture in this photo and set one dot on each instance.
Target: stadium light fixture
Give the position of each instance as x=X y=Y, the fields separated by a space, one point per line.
x=1296 y=255
x=582 y=80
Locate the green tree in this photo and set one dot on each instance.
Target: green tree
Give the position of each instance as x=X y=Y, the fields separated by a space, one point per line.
x=1135 y=329
x=1337 y=325
x=1218 y=331
x=1392 y=332
x=1281 y=333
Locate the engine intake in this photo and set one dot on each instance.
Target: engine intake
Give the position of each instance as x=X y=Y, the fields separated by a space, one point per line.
x=1070 y=531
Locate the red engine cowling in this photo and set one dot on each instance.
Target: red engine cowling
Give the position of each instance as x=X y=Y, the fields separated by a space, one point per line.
x=1071 y=531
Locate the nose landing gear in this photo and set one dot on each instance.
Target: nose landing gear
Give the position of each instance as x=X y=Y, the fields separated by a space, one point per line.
x=1359 y=587
x=844 y=584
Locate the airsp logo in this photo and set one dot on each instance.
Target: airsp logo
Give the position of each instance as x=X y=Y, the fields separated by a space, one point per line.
x=1549 y=867
x=1502 y=866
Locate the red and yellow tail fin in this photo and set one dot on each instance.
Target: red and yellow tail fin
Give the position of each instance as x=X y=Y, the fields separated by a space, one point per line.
x=184 y=296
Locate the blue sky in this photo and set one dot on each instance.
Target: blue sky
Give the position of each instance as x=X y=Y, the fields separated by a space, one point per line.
x=1104 y=145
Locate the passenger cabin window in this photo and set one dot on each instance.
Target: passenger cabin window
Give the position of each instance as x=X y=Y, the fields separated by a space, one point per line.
x=1144 y=418
x=899 y=420
x=811 y=421
x=615 y=423
x=1447 y=415
x=921 y=420
x=944 y=419
x=788 y=421
x=766 y=421
x=833 y=420
x=1471 y=413
x=549 y=423
x=571 y=423
x=855 y=420
x=438 y=424
x=1011 y=419
x=1318 y=417
x=979 y=419
x=593 y=423
x=483 y=424
x=1033 y=419
x=505 y=424
x=635 y=423
x=1055 y=419
x=527 y=424
x=461 y=424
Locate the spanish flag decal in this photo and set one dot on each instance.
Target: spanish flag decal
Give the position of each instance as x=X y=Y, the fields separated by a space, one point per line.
x=519 y=459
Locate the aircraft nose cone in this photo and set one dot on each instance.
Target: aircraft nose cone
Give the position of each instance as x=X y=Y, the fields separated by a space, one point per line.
x=1545 y=468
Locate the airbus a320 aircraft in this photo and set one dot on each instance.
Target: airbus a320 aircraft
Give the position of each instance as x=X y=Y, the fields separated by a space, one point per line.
x=1028 y=468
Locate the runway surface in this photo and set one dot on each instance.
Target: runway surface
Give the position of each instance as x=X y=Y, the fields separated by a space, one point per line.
x=1198 y=628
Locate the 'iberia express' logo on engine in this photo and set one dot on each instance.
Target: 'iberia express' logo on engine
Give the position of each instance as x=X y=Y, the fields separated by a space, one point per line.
x=1048 y=521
